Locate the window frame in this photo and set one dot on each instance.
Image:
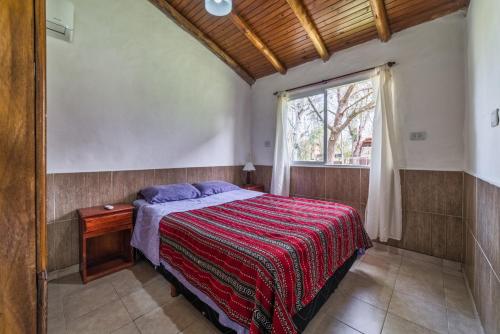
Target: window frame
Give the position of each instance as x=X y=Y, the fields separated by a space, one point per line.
x=317 y=91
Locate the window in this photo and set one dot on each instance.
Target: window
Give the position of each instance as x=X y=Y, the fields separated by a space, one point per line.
x=333 y=125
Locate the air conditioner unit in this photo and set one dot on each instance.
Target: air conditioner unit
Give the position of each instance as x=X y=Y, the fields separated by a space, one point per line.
x=60 y=17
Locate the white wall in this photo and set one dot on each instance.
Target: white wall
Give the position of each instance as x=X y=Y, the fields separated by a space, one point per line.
x=430 y=90
x=134 y=91
x=141 y=93
x=483 y=65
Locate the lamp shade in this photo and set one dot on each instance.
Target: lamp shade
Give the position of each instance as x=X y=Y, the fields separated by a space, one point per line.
x=249 y=167
x=219 y=7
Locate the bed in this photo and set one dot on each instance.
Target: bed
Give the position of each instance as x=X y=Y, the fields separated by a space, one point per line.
x=258 y=263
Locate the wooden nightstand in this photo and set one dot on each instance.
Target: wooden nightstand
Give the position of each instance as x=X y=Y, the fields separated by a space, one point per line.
x=105 y=240
x=254 y=187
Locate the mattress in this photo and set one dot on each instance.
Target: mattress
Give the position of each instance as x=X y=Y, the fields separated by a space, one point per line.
x=261 y=260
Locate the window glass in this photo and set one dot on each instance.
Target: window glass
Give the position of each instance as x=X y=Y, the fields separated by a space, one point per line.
x=306 y=128
x=350 y=123
x=347 y=115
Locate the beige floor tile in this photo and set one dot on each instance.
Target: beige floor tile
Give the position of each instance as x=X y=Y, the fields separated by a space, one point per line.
x=105 y=319
x=419 y=311
x=459 y=301
x=171 y=318
x=154 y=294
x=421 y=269
x=55 y=274
x=452 y=272
x=201 y=326
x=67 y=285
x=424 y=288
x=378 y=269
x=326 y=324
x=355 y=313
x=132 y=279
x=462 y=324
x=127 y=329
x=54 y=303
x=387 y=248
x=88 y=299
x=422 y=257
x=457 y=295
x=379 y=260
x=396 y=325
x=367 y=289
x=422 y=294
x=452 y=265
x=455 y=283
x=388 y=253
x=56 y=324
x=452 y=268
x=53 y=288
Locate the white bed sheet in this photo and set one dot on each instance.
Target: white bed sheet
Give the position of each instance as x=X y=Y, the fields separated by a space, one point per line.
x=146 y=236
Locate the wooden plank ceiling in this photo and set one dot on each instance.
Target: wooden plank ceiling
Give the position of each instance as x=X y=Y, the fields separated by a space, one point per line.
x=262 y=37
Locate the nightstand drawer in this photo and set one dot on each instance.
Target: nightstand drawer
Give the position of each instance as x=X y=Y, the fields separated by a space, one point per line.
x=109 y=221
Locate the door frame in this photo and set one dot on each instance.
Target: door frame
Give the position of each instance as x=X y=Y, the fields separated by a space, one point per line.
x=40 y=162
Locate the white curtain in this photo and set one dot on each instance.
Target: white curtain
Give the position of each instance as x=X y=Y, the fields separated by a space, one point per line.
x=280 y=182
x=384 y=210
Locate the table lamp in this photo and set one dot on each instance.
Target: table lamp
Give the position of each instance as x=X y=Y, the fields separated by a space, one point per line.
x=249 y=167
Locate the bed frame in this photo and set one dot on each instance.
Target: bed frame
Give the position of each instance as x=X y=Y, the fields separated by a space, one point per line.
x=301 y=319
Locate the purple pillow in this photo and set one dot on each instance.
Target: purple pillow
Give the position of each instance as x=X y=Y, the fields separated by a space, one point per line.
x=214 y=187
x=169 y=193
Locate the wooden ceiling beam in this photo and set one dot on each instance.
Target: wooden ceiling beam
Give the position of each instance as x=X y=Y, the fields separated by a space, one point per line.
x=381 y=21
x=257 y=42
x=300 y=11
x=189 y=27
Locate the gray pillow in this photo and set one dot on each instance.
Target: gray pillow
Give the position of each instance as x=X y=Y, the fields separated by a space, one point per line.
x=214 y=187
x=169 y=193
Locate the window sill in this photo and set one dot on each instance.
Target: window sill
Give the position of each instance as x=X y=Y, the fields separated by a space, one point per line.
x=320 y=165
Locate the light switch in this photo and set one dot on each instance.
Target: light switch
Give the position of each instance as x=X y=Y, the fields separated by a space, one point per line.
x=267 y=143
x=495 y=118
x=422 y=135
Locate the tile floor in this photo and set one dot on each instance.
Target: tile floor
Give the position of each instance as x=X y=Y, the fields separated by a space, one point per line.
x=388 y=290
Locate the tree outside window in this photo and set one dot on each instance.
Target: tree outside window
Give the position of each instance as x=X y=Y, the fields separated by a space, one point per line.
x=333 y=126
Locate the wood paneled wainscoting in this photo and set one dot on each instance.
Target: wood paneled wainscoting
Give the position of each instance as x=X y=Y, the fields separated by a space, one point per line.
x=482 y=249
x=70 y=191
x=432 y=202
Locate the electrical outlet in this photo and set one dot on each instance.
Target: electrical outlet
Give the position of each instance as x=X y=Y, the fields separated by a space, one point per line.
x=422 y=135
x=495 y=118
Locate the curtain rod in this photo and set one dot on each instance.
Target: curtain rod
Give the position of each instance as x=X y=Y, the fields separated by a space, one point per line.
x=325 y=81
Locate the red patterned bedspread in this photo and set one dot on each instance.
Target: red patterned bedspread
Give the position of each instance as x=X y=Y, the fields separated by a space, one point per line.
x=262 y=259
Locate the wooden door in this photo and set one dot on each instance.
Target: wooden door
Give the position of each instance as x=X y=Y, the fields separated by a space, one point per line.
x=22 y=167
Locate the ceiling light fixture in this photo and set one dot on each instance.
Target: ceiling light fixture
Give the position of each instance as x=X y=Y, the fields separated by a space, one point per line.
x=219 y=7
